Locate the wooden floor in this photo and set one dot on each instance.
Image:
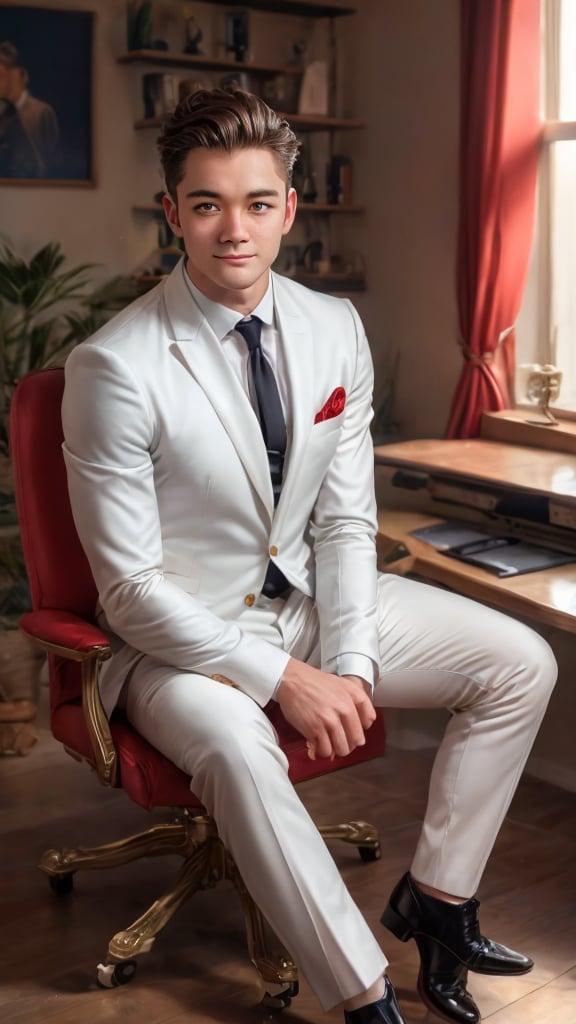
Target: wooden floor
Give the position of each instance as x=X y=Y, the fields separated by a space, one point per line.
x=198 y=971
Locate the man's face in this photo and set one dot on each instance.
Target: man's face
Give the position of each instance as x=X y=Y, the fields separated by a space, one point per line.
x=12 y=82
x=232 y=210
x=4 y=81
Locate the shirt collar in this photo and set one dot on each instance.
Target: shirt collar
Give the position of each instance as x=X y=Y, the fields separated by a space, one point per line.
x=221 y=318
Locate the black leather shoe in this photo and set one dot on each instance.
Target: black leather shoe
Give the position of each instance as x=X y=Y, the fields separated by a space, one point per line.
x=385 y=1011
x=442 y=984
x=453 y=926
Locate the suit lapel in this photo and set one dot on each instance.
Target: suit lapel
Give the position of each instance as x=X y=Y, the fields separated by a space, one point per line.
x=299 y=354
x=202 y=353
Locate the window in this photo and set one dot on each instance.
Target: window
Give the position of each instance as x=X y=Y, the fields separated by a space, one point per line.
x=546 y=330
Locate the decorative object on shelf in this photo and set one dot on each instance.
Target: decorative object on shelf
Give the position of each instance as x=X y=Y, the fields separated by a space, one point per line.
x=309 y=188
x=239 y=78
x=339 y=181
x=138 y=24
x=186 y=86
x=543 y=387
x=281 y=92
x=314 y=90
x=193 y=37
x=288 y=260
x=299 y=53
x=311 y=256
x=160 y=94
x=237 y=34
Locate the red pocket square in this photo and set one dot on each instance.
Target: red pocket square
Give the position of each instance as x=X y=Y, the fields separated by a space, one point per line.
x=333 y=407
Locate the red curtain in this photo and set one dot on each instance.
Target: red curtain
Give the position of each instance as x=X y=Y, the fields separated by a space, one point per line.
x=499 y=145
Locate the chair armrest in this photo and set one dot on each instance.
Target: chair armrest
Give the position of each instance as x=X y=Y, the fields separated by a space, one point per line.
x=74 y=637
x=67 y=635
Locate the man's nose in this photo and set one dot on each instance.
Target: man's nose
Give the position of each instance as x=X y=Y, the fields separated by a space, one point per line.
x=234 y=227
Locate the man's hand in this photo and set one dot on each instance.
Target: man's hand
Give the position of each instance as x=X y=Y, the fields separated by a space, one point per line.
x=330 y=711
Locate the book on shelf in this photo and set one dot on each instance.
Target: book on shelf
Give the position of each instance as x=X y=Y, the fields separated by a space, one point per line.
x=160 y=94
x=339 y=181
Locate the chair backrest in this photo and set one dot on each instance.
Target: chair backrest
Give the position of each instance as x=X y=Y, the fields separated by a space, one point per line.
x=58 y=570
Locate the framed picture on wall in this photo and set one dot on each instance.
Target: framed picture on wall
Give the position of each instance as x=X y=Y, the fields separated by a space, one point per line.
x=46 y=96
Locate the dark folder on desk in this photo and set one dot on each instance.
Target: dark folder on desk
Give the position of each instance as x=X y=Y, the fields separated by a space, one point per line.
x=503 y=556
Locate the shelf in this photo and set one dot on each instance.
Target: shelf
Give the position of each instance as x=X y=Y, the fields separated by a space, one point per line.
x=302 y=208
x=167 y=58
x=304 y=8
x=305 y=122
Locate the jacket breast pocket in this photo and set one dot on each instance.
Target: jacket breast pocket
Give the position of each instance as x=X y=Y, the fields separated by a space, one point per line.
x=327 y=427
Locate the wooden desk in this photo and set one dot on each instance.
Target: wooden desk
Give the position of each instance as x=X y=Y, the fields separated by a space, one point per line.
x=532 y=470
x=549 y=596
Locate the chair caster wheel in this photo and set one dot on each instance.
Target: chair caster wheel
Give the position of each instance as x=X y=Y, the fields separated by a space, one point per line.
x=280 y=1000
x=369 y=853
x=62 y=884
x=113 y=975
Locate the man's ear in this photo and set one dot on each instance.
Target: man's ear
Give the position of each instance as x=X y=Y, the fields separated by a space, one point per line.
x=171 y=214
x=291 y=202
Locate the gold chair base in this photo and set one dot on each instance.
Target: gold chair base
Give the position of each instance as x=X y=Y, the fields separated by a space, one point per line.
x=206 y=862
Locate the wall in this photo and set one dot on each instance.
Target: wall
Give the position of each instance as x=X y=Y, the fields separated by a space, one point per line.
x=404 y=71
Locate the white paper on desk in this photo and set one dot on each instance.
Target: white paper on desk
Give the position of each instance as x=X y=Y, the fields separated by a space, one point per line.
x=452 y=533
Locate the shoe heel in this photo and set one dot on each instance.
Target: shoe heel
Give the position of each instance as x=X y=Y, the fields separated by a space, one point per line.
x=396 y=924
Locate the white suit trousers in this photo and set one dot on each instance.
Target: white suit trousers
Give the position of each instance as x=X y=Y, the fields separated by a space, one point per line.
x=437 y=650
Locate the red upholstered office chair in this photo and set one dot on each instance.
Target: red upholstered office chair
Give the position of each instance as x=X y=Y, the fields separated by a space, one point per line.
x=63 y=600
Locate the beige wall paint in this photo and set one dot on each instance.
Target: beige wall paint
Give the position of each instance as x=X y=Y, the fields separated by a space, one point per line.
x=403 y=71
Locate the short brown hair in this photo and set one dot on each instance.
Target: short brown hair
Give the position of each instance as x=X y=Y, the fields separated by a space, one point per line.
x=9 y=55
x=225 y=119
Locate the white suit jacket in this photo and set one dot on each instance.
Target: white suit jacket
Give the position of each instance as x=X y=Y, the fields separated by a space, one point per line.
x=171 y=494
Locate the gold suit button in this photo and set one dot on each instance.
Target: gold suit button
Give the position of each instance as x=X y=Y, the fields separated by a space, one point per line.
x=249 y=600
x=273 y=550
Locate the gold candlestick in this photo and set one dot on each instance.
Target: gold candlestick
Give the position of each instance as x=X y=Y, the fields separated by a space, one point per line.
x=543 y=387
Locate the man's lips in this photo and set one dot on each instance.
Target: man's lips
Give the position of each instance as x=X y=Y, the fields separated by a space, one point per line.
x=236 y=258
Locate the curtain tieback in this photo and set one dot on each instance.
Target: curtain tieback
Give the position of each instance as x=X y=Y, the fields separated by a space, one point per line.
x=475 y=358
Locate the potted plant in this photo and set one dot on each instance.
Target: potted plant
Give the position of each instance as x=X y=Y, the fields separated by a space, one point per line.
x=45 y=309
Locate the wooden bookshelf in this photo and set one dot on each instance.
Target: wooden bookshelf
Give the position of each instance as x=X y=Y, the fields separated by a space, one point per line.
x=259 y=71
x=303 y=8
x=167 y=58
x=305 y=122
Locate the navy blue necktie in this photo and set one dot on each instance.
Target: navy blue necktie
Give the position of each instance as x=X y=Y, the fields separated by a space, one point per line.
x=270 y=413
x=273 y=426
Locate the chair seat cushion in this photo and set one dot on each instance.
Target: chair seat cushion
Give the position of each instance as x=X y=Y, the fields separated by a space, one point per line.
x=151 y=780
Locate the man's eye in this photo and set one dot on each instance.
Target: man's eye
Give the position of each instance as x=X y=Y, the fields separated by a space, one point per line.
x=206 y=207
x=259 y=206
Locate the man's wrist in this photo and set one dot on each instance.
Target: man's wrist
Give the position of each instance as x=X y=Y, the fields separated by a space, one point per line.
x=366 y=686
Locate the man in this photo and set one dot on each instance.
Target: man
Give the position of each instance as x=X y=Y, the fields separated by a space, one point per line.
x=221 y=475
x=28 y=126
